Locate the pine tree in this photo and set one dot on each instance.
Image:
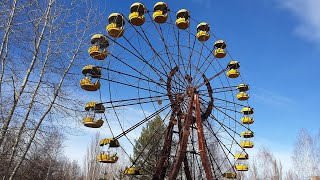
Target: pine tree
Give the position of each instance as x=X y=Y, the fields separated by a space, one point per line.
x=148 y=146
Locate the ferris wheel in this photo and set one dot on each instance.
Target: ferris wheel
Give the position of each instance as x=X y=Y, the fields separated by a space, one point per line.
x=166 y=64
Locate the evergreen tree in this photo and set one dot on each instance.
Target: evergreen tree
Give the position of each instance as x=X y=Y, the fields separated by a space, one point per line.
x=148 y=146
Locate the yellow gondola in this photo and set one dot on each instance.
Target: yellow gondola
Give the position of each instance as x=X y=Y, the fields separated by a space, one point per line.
x=132 y=171
x=247 y=120
x=241 y=156
x=242 y=167
x=112 y=142
x=160 y=14
x=219 y=53
x=182 y=21
x=242 y=96
x=247 y=110
x=98 y=49
x=233 y=73
x=97 y=53
x=96 y=107
x=246 y=144
x=115 y=28
x=203 y=31
x=89 y=122
x=100 y=39
x=136 y=16
x=233 y=65
x=107 y=158
x=243 y=87
x=220 y=44
x=87 y=85
x=247 y=134
x=230 y=175
x=91 y=70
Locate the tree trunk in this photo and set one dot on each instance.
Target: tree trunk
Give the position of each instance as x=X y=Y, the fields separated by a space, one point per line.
x=26 y=78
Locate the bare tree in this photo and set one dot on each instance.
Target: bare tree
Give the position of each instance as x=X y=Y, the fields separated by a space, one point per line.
x=93 y=169
x=305 y=156
x=265 y=166
x=42 y=45
x=291 y=175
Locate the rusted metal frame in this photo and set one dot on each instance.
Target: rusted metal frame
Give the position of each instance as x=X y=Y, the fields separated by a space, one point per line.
x=185 y=161
x=163 y=161
x=184 y=139
x=201 y=140
x=165 y=153
x=187 y=171
x=210 y=103
x=211 y=158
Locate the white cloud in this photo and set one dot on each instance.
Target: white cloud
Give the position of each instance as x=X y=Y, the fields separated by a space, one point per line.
x=270 y=98
x=307 y=11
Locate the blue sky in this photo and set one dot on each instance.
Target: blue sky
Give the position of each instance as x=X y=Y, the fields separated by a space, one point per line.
x=277 y=43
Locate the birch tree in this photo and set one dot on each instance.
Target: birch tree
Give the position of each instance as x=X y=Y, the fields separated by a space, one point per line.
x=305 y=155
x=43 y=44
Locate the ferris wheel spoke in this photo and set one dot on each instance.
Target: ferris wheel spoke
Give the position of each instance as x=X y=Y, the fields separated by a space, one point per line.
x=164 y=43
x=233 y=119
x=229 y=102
x=221 y=124
x=203 y=72
x=145 y=38
x=199 y=59
x=132 y=104
x=126 y=153
x=190 y=52
x=139 y=78
x=167 y=49
x=143 y=121
x=221 y=91
x=233 y=139
x=149 y=44
x=213 y=161
x=222 y=146
x=212 y=116
x=130 y=85
x=154 y=133
x=131 y=67
x=218 y=88
x=227 y=116
x=177 y=38
x=224 y=108
x=140 y=57
x=213 y=77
